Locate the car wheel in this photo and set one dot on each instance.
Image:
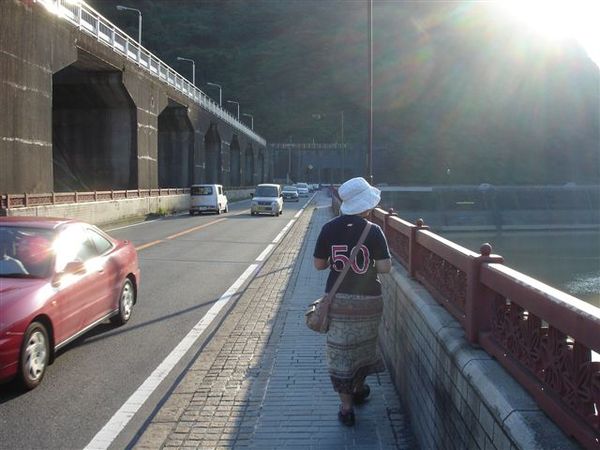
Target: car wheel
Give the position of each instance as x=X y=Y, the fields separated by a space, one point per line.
x=35 y=354
x=218 y=209
x=126 y=301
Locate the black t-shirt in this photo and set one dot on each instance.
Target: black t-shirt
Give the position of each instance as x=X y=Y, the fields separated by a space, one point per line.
x=336 y=240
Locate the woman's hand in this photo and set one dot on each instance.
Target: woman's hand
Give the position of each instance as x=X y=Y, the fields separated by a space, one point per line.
x=321 y=264
x=383 y=265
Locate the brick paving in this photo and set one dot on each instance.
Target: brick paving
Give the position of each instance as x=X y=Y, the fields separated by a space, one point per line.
x=261 y=382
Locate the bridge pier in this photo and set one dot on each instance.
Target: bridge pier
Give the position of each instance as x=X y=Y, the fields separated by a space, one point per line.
x=175 y=147
x=80 y=113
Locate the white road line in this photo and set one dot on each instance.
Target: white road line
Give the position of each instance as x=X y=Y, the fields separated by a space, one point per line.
x=282 y=233
x=265 y=253
x=121 y=418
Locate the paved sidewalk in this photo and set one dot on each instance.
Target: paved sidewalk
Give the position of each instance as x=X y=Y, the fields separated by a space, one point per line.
x=262 y=383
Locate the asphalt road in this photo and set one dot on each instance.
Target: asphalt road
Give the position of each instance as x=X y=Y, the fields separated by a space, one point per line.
x=186 y=263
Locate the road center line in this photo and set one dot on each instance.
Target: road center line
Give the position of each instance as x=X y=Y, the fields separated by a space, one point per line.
x=149 y=244
x=189 y=230
x=121 y=418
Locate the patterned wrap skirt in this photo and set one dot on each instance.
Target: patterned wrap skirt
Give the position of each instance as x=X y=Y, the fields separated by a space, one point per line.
x=352 y=351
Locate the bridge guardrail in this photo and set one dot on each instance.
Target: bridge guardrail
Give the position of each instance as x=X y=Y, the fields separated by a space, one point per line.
x=92 y=22
x=548 y=340
x=8 y=201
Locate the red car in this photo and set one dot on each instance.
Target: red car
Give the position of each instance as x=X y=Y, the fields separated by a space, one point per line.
x=58 y=279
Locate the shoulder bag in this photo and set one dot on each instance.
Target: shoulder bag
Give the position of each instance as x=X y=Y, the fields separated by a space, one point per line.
x=317 y=315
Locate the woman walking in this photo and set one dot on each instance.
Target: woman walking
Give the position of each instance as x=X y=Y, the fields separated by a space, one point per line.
x=356 y=310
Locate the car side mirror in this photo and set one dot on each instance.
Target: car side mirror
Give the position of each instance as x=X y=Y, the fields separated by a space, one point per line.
x=74 y=267
x=71 y=268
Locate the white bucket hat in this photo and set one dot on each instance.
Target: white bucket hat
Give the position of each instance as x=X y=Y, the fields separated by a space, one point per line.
x=358 y=196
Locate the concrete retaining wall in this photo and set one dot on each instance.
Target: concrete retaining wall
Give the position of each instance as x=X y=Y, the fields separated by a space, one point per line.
x=111 y=211
x=458 y=396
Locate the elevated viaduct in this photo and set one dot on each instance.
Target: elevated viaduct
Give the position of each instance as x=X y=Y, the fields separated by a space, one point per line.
x=85 y=108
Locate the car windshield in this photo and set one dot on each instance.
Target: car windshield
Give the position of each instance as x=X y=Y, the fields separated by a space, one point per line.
x=201 y=190
x=25 y=252
x=266 y=191
x=290 y=188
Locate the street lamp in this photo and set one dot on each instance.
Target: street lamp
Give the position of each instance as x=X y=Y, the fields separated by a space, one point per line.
x=251 y=120
x=238 y=108
x=370 y=51
x=179 y=58
x=127 y=8
x=220 y=92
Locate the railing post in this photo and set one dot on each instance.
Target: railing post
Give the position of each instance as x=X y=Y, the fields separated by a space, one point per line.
x=26 y=199
x=412 y=247
x=54 y=198
x=475 y=307
x=390 y=213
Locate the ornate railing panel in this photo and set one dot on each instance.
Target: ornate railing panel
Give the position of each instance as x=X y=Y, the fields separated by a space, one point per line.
x=549 y=341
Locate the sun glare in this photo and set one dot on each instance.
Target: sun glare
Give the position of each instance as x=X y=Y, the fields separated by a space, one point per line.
x=560 y=19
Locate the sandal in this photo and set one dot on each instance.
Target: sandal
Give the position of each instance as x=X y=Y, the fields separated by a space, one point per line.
x=347 y=418
x=359 y=397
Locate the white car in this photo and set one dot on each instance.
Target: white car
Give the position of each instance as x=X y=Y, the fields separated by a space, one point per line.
x=290 y=193
x=208 y=197
x=302 y=189
x=267 y=199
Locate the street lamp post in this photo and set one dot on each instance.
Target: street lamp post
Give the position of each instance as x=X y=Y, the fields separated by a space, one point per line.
x=238 y=108
x=370 y=51
x=127 y=8
x=179 y=58
x=251 y=120
x=220 y=92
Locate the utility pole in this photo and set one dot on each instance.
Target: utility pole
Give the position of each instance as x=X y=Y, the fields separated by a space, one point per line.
x=370 y=50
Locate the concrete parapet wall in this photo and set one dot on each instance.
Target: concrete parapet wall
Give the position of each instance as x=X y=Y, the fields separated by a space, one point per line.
x=110 y=211
x=457 y=396
x=100 y=213
x=238 y=194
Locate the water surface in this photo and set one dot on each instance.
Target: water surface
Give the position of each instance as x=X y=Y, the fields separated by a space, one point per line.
x=565 y=260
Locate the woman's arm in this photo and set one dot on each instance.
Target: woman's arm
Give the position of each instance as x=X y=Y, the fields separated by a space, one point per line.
x=320 y=264
x=383 y=265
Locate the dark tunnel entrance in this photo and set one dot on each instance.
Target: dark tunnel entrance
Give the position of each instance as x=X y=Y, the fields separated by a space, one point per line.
x=235 y=161
x=212 y=147
x=175 y=147
x=249 y=166
x=94 y=131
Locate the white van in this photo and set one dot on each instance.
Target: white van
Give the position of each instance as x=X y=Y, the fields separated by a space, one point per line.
x=207 y=197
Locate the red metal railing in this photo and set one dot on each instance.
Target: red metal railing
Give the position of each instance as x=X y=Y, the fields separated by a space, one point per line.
x=548 y=340
x=8 y=201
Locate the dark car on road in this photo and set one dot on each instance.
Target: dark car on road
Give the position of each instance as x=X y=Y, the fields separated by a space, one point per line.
x=290 y=193
x=58 y=279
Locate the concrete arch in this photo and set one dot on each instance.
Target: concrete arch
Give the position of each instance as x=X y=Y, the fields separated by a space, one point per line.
x=249 y=165
x=175 y=147
x=212 y=152
x=261 y=166
x=94 y=131
x=235 y=160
